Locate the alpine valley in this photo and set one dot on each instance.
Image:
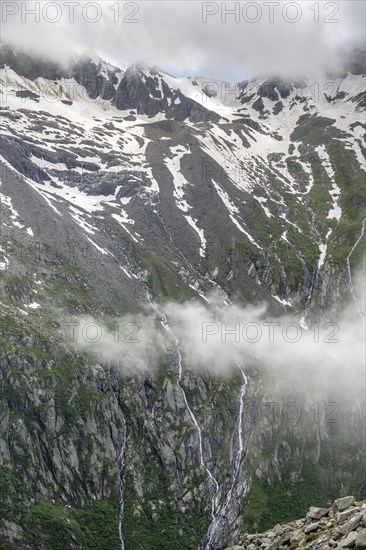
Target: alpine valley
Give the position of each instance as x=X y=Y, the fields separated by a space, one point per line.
x=135 y=195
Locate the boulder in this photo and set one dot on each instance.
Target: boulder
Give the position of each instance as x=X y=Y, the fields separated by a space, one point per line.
x=351 y=525
x=317 y=513
x=311 y=527
x=349 y=541
x=344 y=503
x=320 y=530
x=297 y=536
x=343 y=516
x=283 y=539
x=361 y=540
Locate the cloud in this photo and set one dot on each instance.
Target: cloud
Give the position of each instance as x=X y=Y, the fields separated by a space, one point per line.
x=217 y=337
x=128 y=343
x=225 y=40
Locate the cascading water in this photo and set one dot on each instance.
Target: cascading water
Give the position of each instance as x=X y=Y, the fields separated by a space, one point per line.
x=216 y=518
x=165 y=324
x=200 y=439
x=238 y=460
x=157 y=212
x=114 y=380
x=167 y=327
x=119 y=463
x=349 y=274
x=323 y=251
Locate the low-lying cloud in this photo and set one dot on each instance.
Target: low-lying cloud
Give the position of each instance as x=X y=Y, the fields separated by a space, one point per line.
x=131 y=343
x=217 y=337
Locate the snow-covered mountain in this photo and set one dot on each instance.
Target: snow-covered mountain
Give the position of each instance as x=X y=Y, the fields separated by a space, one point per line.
x=123 y=189
x=150 y=150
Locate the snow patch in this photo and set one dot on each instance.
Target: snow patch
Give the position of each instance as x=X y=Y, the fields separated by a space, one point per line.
x=200 y=233
x=336 y=211
x=174 y=166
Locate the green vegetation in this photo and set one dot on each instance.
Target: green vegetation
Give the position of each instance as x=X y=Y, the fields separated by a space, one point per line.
x=53 y=526
x=313 y=130
x=351 y=181
x=163 y=282
x=283 y=501
x=18 y=288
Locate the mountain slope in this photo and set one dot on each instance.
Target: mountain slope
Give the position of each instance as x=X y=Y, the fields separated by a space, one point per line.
x=122 y=191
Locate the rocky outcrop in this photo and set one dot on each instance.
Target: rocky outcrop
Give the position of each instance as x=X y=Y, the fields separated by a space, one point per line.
x=98 y=78
x=341 y=526
x=144 y=89
x=27 y=65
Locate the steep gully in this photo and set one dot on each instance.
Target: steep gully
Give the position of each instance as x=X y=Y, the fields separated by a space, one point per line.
x=218 y=517
x=323 y=247
x=217 y=513
x=119 y=464
x=238 y=459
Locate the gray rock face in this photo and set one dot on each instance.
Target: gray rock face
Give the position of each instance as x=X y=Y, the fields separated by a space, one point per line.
x=88 y=74
x=97 y=80
x=144 y=90
x=140 y=88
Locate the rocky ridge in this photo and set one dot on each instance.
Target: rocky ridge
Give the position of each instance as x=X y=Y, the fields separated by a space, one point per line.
x=343 y=525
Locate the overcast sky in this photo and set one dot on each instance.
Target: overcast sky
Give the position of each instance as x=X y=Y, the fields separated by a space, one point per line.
x=192 y=37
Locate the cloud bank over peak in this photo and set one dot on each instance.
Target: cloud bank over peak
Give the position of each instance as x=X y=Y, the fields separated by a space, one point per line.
x=225 y=40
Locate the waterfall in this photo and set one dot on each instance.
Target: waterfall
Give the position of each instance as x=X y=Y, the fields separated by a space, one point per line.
x=349 y=274
x=115 y=381
x=119 y=463
x=238 y=460
x=216 y=516
x=167 y=327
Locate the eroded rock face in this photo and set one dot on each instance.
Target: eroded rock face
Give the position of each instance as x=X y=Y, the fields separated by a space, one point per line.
x=322 y=529
x=144 y=90
x=98 y=83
